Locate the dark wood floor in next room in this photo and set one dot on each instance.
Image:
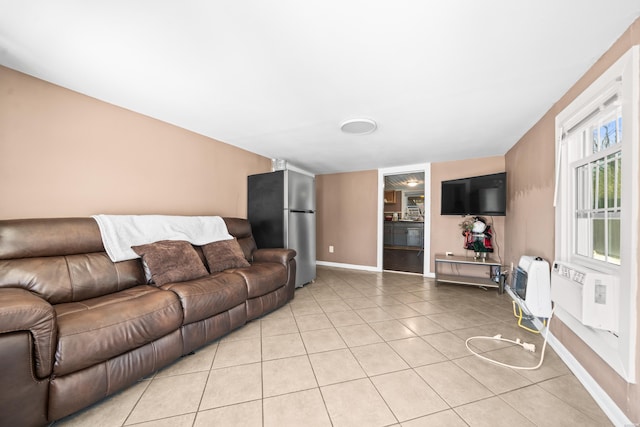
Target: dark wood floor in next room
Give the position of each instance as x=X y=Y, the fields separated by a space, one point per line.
x=407 y=259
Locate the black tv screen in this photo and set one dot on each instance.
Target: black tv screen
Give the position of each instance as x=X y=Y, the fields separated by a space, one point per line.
x=478 y=195
x=455 y=200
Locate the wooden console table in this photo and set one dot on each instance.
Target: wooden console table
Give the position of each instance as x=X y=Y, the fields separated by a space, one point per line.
x=493 y=280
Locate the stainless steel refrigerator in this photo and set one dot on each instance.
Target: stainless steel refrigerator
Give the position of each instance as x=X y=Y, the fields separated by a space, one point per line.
x=281 y=208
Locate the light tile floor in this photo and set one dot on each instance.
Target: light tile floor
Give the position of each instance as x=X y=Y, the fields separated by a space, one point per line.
x=361 y=349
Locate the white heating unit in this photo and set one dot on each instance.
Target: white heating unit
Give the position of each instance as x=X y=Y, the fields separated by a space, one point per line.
x=589 y=296
x=530 y=286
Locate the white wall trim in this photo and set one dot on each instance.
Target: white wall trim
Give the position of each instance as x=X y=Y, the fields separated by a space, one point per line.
x=426 y=249
x=618 y=351
x=608 y=406
x=366 y=268
x=349 y=266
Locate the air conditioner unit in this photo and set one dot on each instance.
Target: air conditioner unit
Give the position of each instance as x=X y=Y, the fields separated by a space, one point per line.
x=530 y=286
x=588 y=295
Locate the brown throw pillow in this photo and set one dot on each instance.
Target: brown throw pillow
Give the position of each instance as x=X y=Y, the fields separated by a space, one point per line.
x=224 y=254
x=171 y=261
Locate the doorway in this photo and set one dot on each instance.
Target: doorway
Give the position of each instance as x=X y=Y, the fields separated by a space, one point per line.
x=403 y=220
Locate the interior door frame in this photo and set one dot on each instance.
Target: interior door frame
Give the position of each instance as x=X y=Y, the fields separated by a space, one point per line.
x=419 y=167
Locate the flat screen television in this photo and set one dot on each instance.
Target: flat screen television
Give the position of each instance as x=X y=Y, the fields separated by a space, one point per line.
x=478 y=195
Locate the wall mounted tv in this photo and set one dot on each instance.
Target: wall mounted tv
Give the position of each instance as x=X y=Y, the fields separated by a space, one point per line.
x=478 y=195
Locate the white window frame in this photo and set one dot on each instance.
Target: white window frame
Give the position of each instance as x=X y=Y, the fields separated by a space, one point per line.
x=623 y=78
x=576 y=158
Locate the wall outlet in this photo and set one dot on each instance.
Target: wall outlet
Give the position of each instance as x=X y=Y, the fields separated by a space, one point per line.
x=448 y=253
x=330 y=249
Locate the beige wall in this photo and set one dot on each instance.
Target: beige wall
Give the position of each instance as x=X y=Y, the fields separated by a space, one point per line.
x=530 y=218
x=530 y=186
x=348 y=205
x=446 y=235
x=347 y=217
x=66 y=154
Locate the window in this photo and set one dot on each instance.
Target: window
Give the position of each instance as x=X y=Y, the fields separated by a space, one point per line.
x=593 y=192
x=596 y=200
x=598 y=184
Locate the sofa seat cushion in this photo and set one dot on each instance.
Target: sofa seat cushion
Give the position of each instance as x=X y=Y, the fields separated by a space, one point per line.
x=210 y=295
x=98 y=329
x=262 y=277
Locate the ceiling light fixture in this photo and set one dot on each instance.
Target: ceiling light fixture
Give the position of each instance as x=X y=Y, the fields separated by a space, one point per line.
x=412 y=183
x=358 y=126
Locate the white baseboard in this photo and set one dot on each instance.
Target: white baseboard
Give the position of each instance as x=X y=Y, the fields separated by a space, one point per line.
x=363 y=267
x=603 y=400
x=348 y=266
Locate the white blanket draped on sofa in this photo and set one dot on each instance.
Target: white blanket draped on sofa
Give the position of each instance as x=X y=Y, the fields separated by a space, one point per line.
x=120 y=232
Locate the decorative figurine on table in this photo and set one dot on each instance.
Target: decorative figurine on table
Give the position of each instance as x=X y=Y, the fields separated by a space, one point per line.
x=477 y=236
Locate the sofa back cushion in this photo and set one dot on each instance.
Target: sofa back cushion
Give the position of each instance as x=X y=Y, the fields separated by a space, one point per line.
x=29 y=238
x=241 y=229
x=61 y=260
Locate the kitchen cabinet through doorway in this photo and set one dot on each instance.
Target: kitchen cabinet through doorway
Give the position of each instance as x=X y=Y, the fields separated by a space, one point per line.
x=404 y=233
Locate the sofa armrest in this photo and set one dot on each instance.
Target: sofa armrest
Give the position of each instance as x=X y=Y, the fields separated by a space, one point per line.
x=279 y=255
x=20 y=310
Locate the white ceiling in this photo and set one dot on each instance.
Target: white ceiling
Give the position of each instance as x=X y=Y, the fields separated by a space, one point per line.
x=401 y=181
x=444 y=81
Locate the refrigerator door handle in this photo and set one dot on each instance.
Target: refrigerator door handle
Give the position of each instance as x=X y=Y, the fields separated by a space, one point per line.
x=301 y=211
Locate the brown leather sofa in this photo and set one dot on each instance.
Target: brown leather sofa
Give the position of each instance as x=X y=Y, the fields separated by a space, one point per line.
x=76 y=327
